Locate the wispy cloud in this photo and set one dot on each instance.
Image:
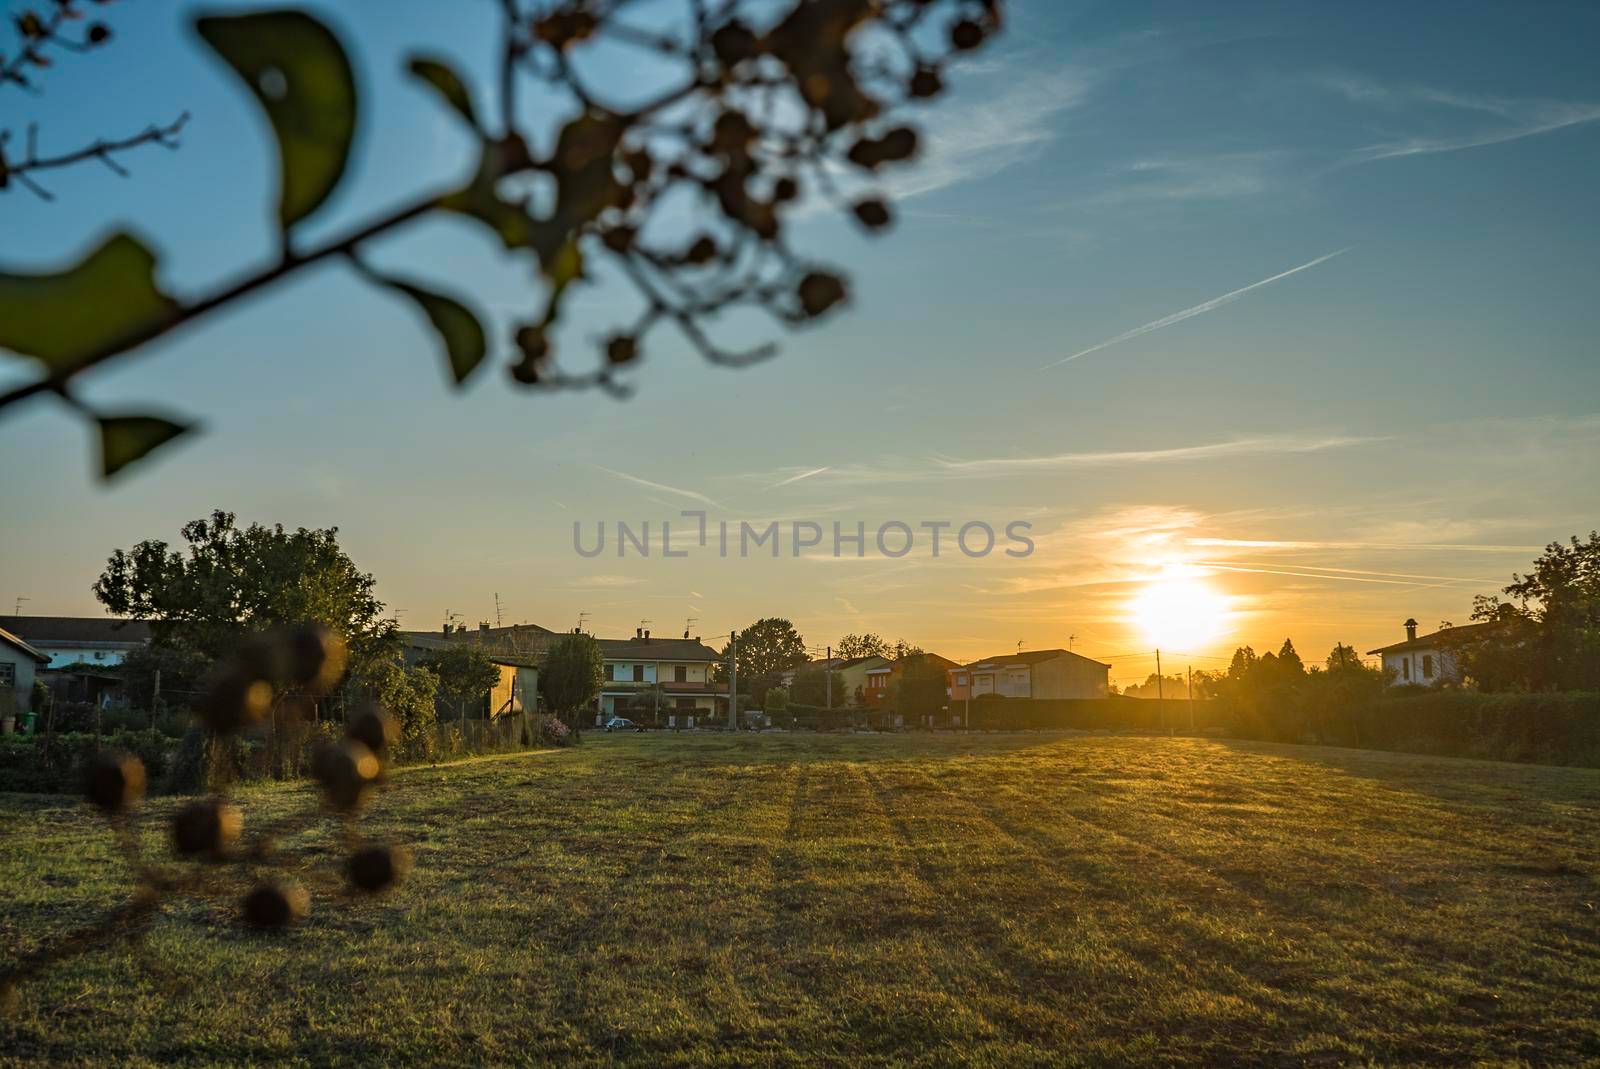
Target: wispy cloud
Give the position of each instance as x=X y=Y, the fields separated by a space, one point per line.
x=691 y=495
x=1279 y=544
x=797 y=478
x=1190 y=313
x=940 y=469
x=1513 y=118
x=600 y=582
x=980 y=136
x=1237 y=447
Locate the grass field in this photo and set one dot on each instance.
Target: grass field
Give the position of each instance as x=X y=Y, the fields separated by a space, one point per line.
x=850 y=900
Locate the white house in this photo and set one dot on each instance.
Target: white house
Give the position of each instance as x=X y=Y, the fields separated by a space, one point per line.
x=680 y=667
x=1427 y=660
x=102 y=641
x=18 y=663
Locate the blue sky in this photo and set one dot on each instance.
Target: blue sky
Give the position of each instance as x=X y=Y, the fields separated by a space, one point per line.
x=1378 y=436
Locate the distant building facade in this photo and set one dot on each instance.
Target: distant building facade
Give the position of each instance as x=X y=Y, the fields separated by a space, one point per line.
x=102 y=641
x=1427 y=660
x=1039 y=674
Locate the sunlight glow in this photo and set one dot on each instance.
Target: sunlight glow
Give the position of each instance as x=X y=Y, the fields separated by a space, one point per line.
x=1178 y=610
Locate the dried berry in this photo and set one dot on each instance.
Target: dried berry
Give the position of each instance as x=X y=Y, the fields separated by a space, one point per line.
x=377 y=868
x=899 y=144
x=347 y=773
x=115 y=782
x=236 y=698
x=207 y=827
x=703 y=251
x=315 y=657
x=820 y=291
x=374 y=729
x=785 y=189
x=619 y=238
x=275 y=905
x=622 y=349
x=733 y=42
x=926 y=83
x=966 y=35
x=873 y=213
x=99 y=33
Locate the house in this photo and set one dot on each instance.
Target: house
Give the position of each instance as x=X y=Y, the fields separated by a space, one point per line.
x=19 y=661
x=1428 y=660
x=680 y=667
x=882 y=677
x=853 y=678
x=1036 y=674
x=102 y=641
x=514 y=650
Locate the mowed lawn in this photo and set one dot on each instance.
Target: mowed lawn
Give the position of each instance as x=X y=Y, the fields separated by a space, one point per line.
x=997 y=900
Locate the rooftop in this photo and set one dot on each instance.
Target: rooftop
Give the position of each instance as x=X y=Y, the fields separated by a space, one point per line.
x=1445 y=636
x=1030 y=657
x=75 y=630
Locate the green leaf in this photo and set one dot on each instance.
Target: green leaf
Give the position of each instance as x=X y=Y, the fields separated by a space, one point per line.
x=64 y=319
x=124 y=439
x=298 y=71
x=447 y=84
x=458 y=327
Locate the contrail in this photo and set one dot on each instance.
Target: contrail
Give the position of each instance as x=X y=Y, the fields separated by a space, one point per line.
x=797 y=478
x=1199 y=309
x=690 y=494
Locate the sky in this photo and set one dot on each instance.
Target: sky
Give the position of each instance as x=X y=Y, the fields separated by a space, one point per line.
x=1270 y=320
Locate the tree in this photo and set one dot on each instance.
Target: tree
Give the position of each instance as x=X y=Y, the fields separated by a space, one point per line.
x=736 y=111
x=814 y=685
x=922 y=689
x=854 y=646
x=182 y=671
x=233 y=582
x=570 y=675
x=765 y=651
x=465 y=673
x=645 y=706
x=777 y=700
x=1547 y=636
x=408 y=695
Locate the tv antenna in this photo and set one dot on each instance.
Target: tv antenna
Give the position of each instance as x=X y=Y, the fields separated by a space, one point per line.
x=20 y=600
x=497 y=610
x=688 y=625
x=583 y=618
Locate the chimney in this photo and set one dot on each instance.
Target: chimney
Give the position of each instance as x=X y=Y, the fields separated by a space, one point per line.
x=647 y=634
x=638 y=632
x=447 y=627
x=1411 y=630
x=483 y=625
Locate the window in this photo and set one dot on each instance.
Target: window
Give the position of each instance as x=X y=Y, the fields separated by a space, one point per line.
x=1405 y=668
x=961 y=679
x=680 y=673
x=99 y=655
x=8 y=674
x=1427 y=666
x=686 y=703
x=611 y=672
x=638 y=673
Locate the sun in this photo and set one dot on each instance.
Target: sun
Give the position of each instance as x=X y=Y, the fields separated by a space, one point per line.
x=1179 y=612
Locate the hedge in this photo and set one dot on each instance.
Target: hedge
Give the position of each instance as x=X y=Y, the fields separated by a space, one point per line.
x=57 y=765
x=1550 y=728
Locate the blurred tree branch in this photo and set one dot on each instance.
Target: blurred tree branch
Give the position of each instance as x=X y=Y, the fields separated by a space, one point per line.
x=759 y=117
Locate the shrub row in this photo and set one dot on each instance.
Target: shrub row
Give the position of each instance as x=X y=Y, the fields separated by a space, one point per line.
x=1550 y=728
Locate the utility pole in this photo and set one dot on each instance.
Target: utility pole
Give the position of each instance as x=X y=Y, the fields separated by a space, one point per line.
x=1191 y=699
x=1161 y=697
x=827 y=675
x=155 y=698
x=733 y=681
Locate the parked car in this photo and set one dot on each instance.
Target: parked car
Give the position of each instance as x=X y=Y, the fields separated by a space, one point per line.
x=622 y=723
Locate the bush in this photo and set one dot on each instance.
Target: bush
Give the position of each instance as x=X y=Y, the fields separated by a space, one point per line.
x=1549 y=728
x=56 y=765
